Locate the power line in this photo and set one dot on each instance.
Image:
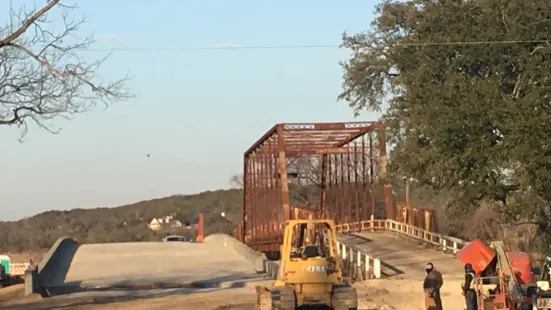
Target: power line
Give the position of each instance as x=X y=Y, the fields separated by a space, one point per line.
x=205 y=48
x=473 y=42
x=312 y=46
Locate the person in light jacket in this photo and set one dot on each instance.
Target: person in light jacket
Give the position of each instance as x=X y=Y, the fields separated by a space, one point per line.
x=468 y=288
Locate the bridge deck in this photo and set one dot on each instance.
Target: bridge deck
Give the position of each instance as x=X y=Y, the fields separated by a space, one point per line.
x=402 y=257
x=147 y=263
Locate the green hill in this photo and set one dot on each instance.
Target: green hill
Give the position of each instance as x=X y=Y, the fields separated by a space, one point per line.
x=124 y=223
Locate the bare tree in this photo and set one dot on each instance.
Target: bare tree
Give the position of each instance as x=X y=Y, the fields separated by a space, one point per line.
x=42 y=76
x=303 y=171
x=307 y=171
x=236 y=181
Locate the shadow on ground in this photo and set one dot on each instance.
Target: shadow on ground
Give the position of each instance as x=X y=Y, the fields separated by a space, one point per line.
x=76 y=296
x=66 y=304
x=231 y=281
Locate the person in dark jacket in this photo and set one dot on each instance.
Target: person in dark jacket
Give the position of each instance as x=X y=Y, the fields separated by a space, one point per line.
x=468 y=287
x=431 y=286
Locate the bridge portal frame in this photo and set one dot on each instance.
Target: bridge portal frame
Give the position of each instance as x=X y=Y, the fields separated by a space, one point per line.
x=350 y=157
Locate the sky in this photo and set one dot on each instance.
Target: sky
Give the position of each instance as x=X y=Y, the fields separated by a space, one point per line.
x=195 y=111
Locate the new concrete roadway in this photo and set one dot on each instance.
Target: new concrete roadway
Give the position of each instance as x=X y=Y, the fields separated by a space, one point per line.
x=150 y=265
x=215 y=263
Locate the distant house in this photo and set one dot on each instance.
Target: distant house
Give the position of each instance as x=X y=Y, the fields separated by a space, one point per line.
x=175 y=224
x=155 y=224
x=164 y=222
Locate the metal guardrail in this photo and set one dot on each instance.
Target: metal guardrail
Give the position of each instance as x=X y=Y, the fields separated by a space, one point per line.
x=367 y=267
x=443 y=242
x=362 y=265
x=370 y=267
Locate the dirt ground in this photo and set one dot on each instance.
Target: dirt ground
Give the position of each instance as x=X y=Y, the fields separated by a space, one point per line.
x=406 y=294
x=374 y=294
x=12 y=298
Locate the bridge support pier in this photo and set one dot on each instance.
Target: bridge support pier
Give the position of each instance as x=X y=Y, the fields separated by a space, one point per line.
x=32 y=281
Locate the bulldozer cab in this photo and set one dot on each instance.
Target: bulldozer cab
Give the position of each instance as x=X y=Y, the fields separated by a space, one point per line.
x=309 y=253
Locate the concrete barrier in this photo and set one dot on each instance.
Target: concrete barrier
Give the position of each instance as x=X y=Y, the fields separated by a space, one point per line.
x=368 y=267
x=255 y=258
x=53 y=269
x=32 y=282
x=258 y=259
x=271 y=268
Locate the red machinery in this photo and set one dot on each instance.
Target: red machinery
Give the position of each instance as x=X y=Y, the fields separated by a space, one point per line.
x=541 y=296
x=502 y=279
x=200 y=229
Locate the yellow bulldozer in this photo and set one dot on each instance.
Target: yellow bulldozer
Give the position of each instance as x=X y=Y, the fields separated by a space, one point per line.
x=310 y=270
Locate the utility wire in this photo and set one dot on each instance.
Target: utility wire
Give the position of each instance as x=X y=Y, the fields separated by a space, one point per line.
x=286 y=47
x=473 y=42
x=204 y=48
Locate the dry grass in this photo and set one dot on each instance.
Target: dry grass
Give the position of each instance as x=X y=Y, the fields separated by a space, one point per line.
x=24 y=257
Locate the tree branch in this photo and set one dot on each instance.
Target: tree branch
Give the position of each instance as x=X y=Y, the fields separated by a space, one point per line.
x=42 y=77
x=21 y=30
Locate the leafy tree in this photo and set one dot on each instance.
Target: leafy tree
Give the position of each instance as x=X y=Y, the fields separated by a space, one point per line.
x=467 y=88
x=42 y=75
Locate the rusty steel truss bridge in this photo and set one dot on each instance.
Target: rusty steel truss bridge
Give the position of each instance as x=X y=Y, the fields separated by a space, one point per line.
x=338 y=164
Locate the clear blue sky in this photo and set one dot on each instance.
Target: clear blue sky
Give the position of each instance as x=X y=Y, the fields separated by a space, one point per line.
x=195 y=111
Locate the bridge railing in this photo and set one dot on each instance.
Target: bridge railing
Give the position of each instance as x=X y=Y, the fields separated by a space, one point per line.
x=359 y=265
x=439 y=241
x=442 y=242
x=364 y=266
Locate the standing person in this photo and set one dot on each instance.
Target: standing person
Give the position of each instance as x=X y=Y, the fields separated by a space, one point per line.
x=431 y=286
x=468 y=288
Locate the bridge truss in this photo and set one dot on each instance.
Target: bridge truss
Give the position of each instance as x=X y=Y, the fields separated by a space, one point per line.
x=336 y=162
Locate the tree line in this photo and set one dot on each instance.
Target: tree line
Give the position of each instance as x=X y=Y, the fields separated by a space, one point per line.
x=125 y=223
x=465 y=90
